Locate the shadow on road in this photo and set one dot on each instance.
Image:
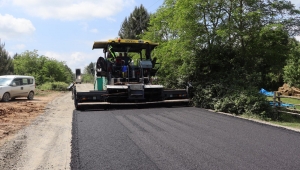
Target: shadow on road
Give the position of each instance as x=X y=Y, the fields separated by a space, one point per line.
x=88 y=108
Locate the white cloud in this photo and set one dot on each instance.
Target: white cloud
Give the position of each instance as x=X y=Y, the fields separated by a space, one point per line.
x=73 y=10
x=4 y=2
x=297 y=38
x=20 y=46
x=94 y=30
x=73 y=60
x=77 y=56
x=80 y=60
x=12 y=27
x=54 y=55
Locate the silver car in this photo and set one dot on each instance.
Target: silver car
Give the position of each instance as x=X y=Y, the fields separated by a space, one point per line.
x=13 y=86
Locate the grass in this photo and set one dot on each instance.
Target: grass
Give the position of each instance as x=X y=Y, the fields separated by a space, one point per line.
x=50 y=87
x=288 y=100
x=284 y=119
x=42 y=93
x=56 y=86
x=288 y=124
x=288 y=120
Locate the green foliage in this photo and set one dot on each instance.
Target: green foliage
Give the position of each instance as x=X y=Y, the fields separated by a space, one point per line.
x=44 y=69
x=137 y=22
x=88 y=69
x=56 y=86
x=87 y=78
x=232 y=100
x=292 y=69
x=242 y=44
x=6 y=66
x=288 y=119
x=88 y=75
x=289 y=101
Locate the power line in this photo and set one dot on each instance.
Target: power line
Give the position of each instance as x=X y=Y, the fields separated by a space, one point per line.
x=153 y=4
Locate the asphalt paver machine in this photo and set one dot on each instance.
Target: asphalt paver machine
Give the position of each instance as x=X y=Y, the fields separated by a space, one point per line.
x=120 y=80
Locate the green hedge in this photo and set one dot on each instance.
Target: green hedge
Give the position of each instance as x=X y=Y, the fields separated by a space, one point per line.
x=56 y=86
x=231 y=100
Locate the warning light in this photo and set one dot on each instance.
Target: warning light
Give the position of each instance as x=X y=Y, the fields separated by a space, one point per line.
x=119 y=39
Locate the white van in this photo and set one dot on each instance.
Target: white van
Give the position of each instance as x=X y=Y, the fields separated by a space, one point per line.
x=13 y=86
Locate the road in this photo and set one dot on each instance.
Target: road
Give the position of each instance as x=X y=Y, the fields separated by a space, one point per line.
x=179 y=138
x=147 y=138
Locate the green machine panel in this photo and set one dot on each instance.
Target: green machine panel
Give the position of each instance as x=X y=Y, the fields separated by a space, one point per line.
x=100 y=83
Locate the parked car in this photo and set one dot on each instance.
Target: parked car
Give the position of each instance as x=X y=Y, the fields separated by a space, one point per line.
x=13 y=86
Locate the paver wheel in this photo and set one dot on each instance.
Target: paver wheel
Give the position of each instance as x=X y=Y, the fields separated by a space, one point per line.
x=5 y=97
x=30 y=95
x=76 y=104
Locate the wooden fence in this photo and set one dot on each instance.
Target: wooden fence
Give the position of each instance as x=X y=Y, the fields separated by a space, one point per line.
x=277 y=104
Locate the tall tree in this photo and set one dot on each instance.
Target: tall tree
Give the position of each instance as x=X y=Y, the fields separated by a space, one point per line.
x=134 y=25
x=239 y=40
x=6 y=66
x=224 y=47
x=88 y=69
x=292 y=69
x=88 y=75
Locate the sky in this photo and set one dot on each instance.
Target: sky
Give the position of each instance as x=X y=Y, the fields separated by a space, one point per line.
x=66 y=29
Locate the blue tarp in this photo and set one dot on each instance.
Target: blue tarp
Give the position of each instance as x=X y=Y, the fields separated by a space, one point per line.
x=283 y=105
x=265 y=92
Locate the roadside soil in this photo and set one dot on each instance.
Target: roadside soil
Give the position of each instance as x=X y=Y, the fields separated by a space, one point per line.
x=16 y=114
x=36 y=134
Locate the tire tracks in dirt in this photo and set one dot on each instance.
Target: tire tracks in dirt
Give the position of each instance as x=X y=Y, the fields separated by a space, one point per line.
x=46 y=143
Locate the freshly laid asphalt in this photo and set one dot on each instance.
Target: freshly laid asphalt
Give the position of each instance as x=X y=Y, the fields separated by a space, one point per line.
x=179 y=138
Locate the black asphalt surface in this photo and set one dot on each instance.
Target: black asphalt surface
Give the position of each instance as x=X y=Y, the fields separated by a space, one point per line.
x=179 y=138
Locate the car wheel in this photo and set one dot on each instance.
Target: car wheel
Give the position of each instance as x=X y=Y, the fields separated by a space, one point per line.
x=5 y=97
x=30 y=95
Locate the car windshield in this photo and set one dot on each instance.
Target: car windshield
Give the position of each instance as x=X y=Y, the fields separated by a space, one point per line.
x=5 y=81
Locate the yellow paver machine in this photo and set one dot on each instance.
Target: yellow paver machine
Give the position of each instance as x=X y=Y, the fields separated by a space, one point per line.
x=120 y=80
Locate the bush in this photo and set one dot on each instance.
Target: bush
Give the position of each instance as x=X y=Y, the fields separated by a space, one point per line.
x=57 y=86
x=87 y=78
x=205 y=96
x=231 y=100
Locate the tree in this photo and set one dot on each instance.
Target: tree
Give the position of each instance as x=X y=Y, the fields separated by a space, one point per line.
x=43 y=68
x=88 y=75
x=241 y=42
x=137 y=23
x=6 y=66
x=223 y=46
x=292 y=69
x=88 y=69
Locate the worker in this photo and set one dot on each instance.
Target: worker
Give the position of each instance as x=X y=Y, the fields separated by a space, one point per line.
x=124 y=69
x=119 y=60
x=126 y=59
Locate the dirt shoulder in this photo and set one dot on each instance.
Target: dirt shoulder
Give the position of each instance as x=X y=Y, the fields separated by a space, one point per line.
x=37 y=134
x=16 y=114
